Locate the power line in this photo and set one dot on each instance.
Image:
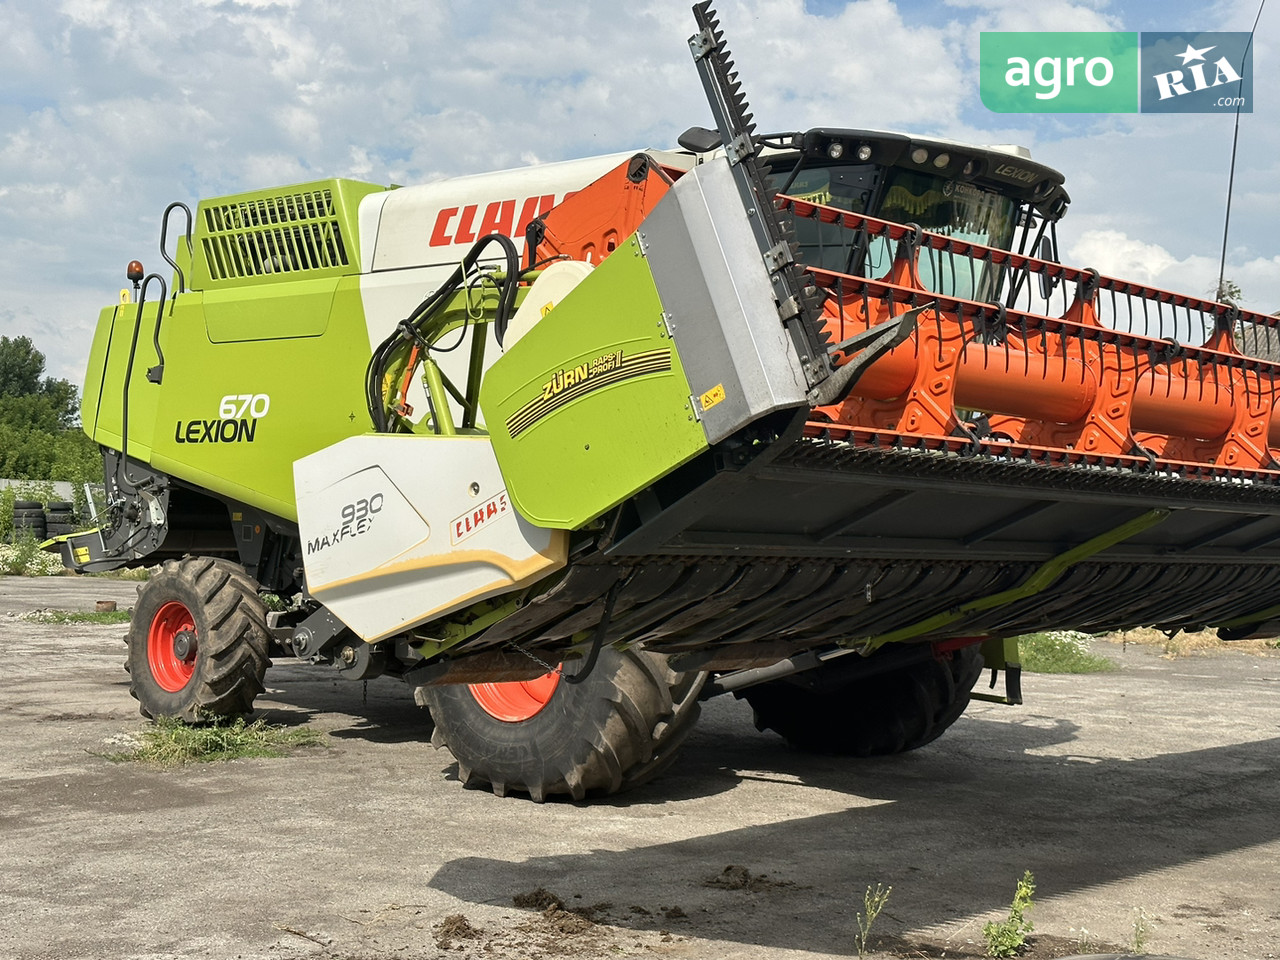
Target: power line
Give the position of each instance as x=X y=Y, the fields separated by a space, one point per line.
x=1235 y=138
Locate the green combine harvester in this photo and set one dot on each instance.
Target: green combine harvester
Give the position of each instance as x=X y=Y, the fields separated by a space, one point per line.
x=815 y=418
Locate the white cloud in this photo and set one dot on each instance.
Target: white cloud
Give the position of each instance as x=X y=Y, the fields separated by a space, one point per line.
x=1116 y=254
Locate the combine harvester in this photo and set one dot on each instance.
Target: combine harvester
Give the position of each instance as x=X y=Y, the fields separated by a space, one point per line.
x=780 y=416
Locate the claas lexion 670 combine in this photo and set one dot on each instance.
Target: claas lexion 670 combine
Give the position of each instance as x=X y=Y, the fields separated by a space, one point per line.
x=784 y=416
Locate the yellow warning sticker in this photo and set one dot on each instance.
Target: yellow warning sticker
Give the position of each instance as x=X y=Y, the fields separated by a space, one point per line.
x=547 y=308
x=712 y=396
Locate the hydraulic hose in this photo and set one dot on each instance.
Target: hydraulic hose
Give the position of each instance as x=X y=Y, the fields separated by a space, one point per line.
x=411 y=328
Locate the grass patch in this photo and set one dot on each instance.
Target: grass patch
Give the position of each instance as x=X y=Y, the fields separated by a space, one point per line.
x=1061 y=651
x=171 y=743
x=76 y=616
x=141 y=574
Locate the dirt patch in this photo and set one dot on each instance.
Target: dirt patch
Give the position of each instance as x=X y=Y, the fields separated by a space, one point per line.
x=1038 y=947
x=734 y=877
x=595 y=912
x=559 y=929
x=561 y=932
x=537 y=899
x=455 y=927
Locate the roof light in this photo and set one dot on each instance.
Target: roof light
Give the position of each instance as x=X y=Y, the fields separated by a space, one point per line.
x=968 y=168
x=941 y=160
x=835 y=150
x=919 y=155
x=864 y=152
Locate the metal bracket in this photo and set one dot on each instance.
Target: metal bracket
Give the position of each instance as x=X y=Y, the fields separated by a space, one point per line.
x=317 y=634
x=872 y=344
x=789 y=308
x=701 y=43
x=778 y=256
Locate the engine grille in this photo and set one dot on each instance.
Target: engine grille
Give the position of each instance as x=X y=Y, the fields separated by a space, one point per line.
x=285 y=233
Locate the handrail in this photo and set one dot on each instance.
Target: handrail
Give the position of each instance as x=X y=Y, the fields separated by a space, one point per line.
x=164 y=242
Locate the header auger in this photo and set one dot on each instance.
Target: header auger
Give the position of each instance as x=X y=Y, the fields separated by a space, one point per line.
x=571 y=447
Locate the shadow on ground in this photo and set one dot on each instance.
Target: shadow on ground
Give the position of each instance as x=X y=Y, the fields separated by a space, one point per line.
x=951 y=833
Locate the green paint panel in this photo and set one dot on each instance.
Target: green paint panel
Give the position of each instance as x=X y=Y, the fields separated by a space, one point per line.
x=298 y=308
x=592 y=405
x=233 y=416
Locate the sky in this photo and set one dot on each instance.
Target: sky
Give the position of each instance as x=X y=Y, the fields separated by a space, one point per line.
x=110 y=110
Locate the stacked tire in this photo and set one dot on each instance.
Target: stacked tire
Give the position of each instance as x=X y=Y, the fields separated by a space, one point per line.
x=60 y=518
x=29 y=520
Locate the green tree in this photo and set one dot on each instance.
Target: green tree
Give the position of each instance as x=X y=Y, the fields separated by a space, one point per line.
x=39 y=434
x=21 y=366
x=1228 y=292
x=22 y=375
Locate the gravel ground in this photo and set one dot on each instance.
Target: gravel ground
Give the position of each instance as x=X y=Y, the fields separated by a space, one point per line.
x=1152 y=788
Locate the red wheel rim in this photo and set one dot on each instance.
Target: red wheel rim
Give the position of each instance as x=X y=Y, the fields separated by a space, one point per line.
x=172 y=667
x=518 y=700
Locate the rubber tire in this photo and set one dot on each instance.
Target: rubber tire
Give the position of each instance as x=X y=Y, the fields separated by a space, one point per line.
x=232 y=640
x=33 y=523
x=59 y=529
x=60 y=506
x=878 y=715
x=618 y=729
x=27 y=505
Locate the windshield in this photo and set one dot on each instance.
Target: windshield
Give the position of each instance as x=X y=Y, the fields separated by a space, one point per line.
x=947 y=207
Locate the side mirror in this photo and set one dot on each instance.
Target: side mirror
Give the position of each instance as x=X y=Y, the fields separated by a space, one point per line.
x=1047 y=283
x=699 y=140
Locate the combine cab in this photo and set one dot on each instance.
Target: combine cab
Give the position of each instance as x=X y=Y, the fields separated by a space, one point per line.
x=799 y=417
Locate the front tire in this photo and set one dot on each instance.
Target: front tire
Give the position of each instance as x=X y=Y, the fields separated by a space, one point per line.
x=877 y=715
x=198 y=642
x=618 y=729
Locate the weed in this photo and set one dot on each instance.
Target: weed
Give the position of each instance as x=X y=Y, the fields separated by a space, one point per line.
x=168 y=743
x=1061 y=651
x=1084 y=940
x=1006 y=937
x=873 y=902
x=1142 y=929
x=24 y=558
x=76 y=616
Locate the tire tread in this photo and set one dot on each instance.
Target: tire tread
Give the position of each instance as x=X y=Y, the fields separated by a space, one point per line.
x=877 y=715
x=611 y=733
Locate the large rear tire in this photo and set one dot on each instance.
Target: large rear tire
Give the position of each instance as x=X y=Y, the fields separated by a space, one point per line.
x=618 y=729
x=198 y=642
x=876 y=715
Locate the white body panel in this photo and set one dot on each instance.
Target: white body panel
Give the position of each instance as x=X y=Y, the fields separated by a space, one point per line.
x=412 y=239
x=556 y=282
x=398 y=530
